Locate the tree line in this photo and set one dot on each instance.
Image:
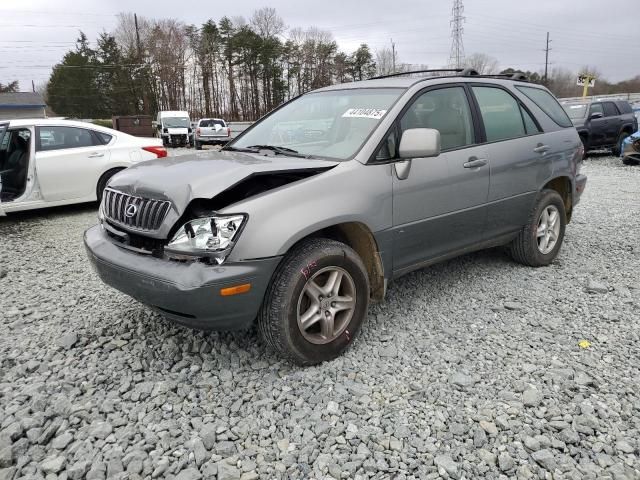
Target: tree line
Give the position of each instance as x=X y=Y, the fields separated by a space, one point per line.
x=232 y=68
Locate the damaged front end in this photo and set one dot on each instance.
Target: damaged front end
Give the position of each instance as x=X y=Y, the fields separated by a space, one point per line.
x=156 y=223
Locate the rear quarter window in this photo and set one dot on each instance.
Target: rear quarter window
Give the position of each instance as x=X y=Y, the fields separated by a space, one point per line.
x=548 y=104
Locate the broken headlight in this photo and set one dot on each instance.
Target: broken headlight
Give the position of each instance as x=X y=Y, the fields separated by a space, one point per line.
x=210 y=237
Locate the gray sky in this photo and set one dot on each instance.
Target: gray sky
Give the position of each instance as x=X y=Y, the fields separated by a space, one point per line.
x=34 y=34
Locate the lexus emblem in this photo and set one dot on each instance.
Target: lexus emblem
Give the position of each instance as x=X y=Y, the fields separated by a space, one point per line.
x=131 y=210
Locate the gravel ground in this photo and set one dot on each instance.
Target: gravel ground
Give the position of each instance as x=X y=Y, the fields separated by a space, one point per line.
x=470 y=369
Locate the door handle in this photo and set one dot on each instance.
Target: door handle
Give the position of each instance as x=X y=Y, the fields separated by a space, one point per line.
x=96 y=155
x=541 y=149
x=475 y=162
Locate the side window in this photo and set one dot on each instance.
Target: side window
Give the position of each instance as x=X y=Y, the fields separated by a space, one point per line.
x=446 y=110
x=596 y=108
x=529 y=124
x=59 y=138
x=389 y=148
x=610 y=109
x=500 y=114
x=104 y=138
x=548 y=104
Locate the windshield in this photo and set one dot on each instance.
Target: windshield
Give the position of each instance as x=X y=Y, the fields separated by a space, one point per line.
x=576 y=111
x=176 y=122
x=331 y=124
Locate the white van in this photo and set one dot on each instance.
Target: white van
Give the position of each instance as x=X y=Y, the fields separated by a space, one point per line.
x=174 y=127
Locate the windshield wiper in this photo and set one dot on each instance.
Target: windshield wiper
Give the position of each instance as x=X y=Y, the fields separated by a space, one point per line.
x=274 y=148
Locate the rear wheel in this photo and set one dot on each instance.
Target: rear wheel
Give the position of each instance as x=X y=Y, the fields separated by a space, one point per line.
x=585 y=146
x=617 y=149
x=316 y=302
x=539 y=241
x=198 y=146
x=102 y=182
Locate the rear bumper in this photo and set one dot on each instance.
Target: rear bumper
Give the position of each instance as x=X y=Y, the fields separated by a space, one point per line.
x=187 y=293
x=211 y=139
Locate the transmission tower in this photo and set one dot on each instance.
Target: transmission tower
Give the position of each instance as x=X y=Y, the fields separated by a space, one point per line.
x=456 y=57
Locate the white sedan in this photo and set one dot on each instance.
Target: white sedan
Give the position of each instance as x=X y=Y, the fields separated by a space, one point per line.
x=45 y=163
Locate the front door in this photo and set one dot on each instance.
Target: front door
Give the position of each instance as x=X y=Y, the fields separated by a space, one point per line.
x=440 y=207
x=69 y=161
x=597 y=126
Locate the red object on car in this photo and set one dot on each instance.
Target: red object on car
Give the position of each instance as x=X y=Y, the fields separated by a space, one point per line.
x=159 y=152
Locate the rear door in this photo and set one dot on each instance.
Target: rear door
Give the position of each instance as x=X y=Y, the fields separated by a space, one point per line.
x=211 y=128
x=614 y=122
x=518 y=156
x=69 y=161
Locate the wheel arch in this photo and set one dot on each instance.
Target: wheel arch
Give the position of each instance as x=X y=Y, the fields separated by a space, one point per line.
x=107 y=173
x=563 y=186
x=359 y=237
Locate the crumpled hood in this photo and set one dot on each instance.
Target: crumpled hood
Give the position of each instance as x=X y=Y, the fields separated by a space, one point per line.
x=203 y=175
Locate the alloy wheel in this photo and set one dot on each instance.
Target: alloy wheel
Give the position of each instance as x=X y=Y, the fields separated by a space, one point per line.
x=326 y=305
x=548 y=229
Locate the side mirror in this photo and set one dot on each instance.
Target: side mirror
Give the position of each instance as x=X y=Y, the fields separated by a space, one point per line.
x=595 y=115
x=420 y=143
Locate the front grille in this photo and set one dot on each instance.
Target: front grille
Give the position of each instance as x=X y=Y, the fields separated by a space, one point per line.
x=134 y=212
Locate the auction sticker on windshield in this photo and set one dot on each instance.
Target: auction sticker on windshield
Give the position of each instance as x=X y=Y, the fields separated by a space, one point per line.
x=364 y=113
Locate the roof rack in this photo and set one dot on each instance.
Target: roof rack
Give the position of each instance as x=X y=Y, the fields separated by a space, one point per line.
x=462 y=72
x=437 y=70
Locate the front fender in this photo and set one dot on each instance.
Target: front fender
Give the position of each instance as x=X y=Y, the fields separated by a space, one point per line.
x=350 y=192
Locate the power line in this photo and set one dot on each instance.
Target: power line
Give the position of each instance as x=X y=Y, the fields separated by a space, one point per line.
x=456 y=56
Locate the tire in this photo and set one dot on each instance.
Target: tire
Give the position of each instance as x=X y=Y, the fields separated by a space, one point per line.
x=198 y=146
x=102 y=182
x=630 y=161
x=617 y=149
x=314 y=260
x=525 y=248
x=585 y=146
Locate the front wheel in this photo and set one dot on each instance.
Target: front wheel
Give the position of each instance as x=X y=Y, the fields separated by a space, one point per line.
x=316 y=302
x=539 y=241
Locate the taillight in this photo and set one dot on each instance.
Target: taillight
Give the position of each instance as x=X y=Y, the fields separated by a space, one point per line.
x=159 y=152
x=197 y=131
x=228 y=131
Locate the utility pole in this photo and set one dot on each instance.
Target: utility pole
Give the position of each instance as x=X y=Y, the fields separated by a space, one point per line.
x=33 y=86
x=456 y=57
x=393 y=55
x=145 y=102
x=546 y=59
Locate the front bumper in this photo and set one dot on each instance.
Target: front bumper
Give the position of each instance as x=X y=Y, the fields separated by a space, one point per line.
x=628 y=151
x=187 y=293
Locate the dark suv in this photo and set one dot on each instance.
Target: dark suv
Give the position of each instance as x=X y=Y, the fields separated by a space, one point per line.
x=602 y=123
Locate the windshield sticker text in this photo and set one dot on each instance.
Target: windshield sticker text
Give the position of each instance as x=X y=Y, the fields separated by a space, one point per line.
x=364 y=113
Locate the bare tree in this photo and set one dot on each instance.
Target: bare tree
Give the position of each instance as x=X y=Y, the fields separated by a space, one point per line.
x=482 y=63
x=385 y=61
x=267 y=23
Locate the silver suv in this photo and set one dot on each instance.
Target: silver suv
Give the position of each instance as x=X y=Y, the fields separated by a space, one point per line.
x=307 y=216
